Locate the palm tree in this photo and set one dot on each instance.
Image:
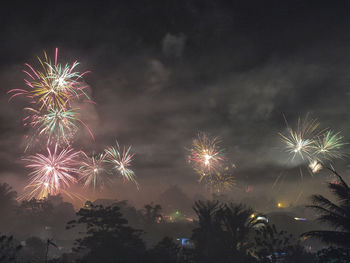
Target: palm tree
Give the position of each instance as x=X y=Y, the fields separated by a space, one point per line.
x=237 y=222
x=335 y=214
x=207 y=237
x=223 y=231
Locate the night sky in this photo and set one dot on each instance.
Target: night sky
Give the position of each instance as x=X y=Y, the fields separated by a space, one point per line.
x=161 y=71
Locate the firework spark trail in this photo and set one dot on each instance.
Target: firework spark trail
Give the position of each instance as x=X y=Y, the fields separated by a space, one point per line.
x=53 y=172
x=121 y=161
x=206 y=154
x=92 y=171
x=53 y=86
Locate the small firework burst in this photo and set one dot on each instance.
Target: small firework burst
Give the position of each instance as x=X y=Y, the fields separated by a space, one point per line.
x=53 y=86
x=315 y=166
x=301 y=140
x=205 y=154
x=329 y=146
x=92 y=171
x=120 y=160
x=53 y=172
x=221 y=181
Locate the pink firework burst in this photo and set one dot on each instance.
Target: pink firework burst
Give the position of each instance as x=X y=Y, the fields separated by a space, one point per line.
x=52 y=172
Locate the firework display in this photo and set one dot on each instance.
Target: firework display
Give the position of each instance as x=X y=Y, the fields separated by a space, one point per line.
x=206 y=154
x=301 y=140
x=312 y=144
x=220 y=181
x=207 y=159
x=52 y=86
x=52 y=172
x=56 y=125
x=51 y=91
x=53 y=120
x=92 y=171
x=120 y=161
x=329 y=146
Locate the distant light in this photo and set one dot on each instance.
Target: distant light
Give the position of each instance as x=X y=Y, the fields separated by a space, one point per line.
x=252 y=215
x=299 y=219
x=262 y=218
x=279 y=205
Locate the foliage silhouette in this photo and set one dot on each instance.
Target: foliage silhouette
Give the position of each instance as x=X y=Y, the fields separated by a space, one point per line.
x=8 y=204
x=334 y=255
x=107 y=237
x=152 y=214
x=165 y=251
x=8 y=249
x=222 y=234
x=335 y=214
x=279 y=246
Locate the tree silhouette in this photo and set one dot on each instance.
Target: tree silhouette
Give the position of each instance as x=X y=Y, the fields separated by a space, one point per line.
x=152 y=214
x=8 y=249
x=107 y=237
x=7 y=203
x=33 y=216
x=274 y=246
x=222 y=234
x=335 y=214
x=270 y=243
x=331 y=254
x=33 y=251
x=165 y=251
x=7 y=196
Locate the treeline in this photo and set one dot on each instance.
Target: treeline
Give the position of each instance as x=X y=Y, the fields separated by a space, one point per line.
x=221 y=232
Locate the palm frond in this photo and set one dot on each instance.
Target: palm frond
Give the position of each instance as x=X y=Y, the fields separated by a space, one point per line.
x=331 y=237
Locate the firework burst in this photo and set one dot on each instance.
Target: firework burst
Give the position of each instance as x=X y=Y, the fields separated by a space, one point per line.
x=220 y=181
x=301 y=141
x=92 y=171
x=315 y=166
x=120 y=160
x=206 y=154
x=329 y=146
x=57 y=125
x=53 y=86
x=53 y=172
